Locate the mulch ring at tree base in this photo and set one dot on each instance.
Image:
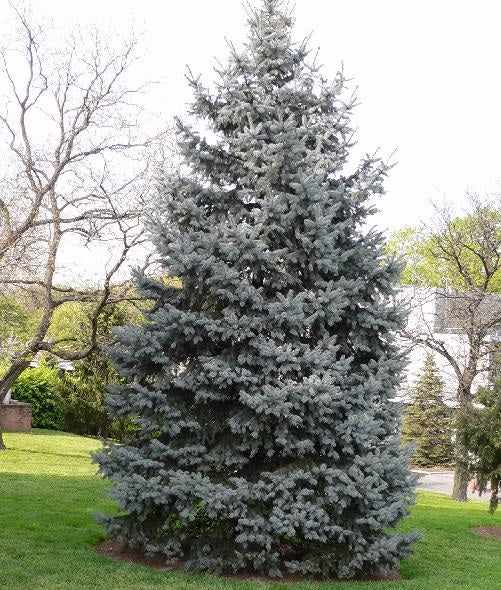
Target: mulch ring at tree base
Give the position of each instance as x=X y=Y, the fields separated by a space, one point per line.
x=490 y=532
x=114 y=550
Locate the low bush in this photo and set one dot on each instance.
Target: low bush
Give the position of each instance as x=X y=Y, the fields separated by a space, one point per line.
x=39 y=387
x=85 y=409
x=72 y=402
x=76 y=401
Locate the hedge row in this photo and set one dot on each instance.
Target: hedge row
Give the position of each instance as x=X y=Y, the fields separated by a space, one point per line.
x=67 y=402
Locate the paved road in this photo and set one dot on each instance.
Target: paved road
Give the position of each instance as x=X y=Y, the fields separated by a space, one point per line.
x=441 y=482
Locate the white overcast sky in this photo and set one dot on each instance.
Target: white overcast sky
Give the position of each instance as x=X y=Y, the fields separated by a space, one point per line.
x=428 y=74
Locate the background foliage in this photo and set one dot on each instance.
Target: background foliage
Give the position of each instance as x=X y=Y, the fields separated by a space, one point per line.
x=39 y=387
x=74 y=401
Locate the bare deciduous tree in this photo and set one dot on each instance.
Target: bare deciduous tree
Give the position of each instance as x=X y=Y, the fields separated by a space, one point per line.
x=75 y=170
x=460 y=322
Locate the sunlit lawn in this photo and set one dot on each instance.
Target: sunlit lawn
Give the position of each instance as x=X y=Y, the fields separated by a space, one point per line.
x=49 y=492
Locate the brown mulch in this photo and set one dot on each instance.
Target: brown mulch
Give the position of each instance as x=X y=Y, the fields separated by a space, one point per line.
x=113 y=550
x=491 y=532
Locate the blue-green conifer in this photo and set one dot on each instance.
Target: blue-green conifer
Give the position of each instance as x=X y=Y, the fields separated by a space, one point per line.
x=260 y=385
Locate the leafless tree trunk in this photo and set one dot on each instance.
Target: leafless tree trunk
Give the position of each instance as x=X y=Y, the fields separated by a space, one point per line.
x=462 y=326
x=75 y=171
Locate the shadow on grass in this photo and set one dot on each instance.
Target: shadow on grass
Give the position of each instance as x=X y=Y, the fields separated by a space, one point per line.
x=52 y=453
x=57 y=433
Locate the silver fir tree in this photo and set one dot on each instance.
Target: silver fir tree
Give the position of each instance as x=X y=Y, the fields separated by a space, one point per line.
x=260 y=387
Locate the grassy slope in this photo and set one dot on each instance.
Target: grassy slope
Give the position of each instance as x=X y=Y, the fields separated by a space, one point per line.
x=49 y=492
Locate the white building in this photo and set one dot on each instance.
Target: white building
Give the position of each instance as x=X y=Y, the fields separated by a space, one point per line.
x=433 y=315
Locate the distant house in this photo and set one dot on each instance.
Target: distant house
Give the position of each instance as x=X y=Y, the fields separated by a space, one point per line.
x=440 y=313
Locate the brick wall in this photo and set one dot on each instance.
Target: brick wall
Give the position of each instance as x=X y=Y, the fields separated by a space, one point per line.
x=16 y=417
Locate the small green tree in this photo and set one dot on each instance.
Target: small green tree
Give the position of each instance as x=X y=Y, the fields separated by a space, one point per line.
x=427 y=420
x=481 y=429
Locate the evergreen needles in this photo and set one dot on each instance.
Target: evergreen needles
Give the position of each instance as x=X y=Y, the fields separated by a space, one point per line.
x=427 y=420
x=266 y=440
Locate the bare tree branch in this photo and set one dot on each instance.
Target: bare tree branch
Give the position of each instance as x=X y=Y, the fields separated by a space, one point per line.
x=76 y=170
x=461 y=322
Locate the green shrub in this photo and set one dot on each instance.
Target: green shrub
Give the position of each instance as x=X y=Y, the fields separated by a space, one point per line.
x=85 y=409
x=39 y=387
x=75 y=402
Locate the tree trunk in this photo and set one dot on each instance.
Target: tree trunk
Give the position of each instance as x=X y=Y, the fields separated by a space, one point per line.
x=462 y=467
x=6 y=382
x=462 y=470
x=461 y=480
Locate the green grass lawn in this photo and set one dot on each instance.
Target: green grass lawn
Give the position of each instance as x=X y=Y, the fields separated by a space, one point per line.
x=49 y=492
